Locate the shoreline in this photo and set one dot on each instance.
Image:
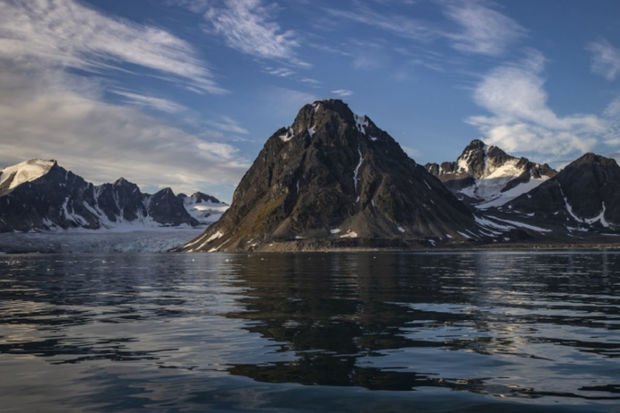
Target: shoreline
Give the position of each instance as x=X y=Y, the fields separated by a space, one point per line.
x=595 y=246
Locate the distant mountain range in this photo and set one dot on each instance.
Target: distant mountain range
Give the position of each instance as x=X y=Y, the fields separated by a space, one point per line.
x=42 y=195
x=333 y=179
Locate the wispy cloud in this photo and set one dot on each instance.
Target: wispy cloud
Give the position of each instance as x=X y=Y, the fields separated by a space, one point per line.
x=279 y=71
x=64 y=33
x=248 y=26
x=161 y=104
x=102 y=141
x=343 y=93
x=605 y=59
x=56 y=112
x=480 y=27
x=228 y=124
x=521 y=119
x=483 y=29
x=612 y=113
x=394 y=23
x=311 y=81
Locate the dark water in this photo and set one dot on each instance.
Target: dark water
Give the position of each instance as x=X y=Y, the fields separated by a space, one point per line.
x=467 y=331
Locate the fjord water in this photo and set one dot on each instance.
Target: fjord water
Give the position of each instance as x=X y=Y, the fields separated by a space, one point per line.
x=460 y=331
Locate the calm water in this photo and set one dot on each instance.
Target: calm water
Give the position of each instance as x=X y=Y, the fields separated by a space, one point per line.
x=466 y=331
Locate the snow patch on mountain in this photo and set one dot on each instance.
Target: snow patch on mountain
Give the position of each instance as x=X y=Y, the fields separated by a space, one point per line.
x=287 y=136
x=204 y=211
x=13 y=176
x=501 y=198
x=361 y=123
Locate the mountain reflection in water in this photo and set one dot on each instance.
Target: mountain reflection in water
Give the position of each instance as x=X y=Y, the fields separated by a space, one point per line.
x=188 y=331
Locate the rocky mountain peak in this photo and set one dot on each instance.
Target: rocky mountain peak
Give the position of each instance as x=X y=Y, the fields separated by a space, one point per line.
x=334 y=178
x=166 y=208
x=475 y=145
x=585 y=194
x=594 y=159
x=486 y=176
x=479 y=159
x=122 y=182
x=334 y=119
x=13 y=176
x=200 y=197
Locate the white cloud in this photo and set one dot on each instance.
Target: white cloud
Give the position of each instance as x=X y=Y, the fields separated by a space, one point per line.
x=43 y=115
x=522 y=121
x=161 y=104
x=484 y=30
x=612 y=113
x=228 y=124
x=605 y=59
x=63 y=33
x=247 y=26
x=310 y=81
x=342 y=92
x=46 y=112
x=399 y=25
x=279 y=71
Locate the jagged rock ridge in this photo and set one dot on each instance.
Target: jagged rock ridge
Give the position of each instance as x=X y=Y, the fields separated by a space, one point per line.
x=335 y=179
x=41 y=195
x=486 y=176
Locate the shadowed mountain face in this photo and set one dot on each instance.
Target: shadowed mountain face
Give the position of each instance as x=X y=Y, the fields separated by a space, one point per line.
x=486 y=176
x=41 y=195
x=584 y=195
x=335 y=179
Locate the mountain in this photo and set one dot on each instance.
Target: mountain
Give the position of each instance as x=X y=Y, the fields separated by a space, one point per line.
x=42 y=195
x=204 y=208
x=582 y=197
x=486 y=176
x=334 y=179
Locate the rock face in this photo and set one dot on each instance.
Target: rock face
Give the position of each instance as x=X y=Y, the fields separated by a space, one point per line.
x=53 y=197
x=41 y=195
x=584 y=196
x=486 y=176
x=334 y=179
x=166 y=208
x=120 y=200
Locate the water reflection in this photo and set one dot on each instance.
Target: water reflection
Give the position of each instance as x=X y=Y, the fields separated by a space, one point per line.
x=122 y=331
x=461 y=321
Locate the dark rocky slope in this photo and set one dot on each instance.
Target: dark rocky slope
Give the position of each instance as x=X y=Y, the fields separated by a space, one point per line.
x=582 y=197
x=334 y=179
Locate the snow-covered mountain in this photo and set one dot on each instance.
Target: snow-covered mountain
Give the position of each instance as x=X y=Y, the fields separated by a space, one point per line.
x=205 y=208
x=486 y=176
x=41 y=195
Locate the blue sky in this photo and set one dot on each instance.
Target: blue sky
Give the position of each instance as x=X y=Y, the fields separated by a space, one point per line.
x=183 y=93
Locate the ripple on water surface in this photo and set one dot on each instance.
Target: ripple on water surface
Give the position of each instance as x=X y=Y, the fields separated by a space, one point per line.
x=459 y=331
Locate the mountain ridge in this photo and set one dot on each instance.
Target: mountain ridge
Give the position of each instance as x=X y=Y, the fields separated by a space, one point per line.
x=485 y=176
x=40 y=195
